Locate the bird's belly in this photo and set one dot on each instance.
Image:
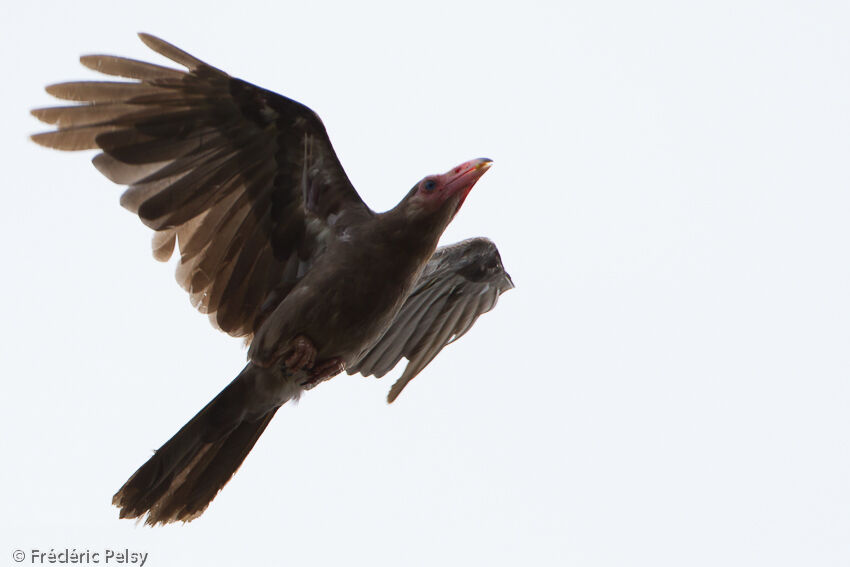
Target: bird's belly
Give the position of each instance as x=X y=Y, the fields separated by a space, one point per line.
x=352 y=316
x=342 y=315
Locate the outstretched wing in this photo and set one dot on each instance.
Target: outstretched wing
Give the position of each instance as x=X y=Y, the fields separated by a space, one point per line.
x=460 y=283
x=243 y=180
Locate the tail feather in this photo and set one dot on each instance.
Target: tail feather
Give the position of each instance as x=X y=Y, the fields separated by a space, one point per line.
x=229 y=456
x=181 y=479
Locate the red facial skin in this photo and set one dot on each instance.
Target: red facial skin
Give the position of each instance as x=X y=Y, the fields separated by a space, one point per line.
x=437 y=189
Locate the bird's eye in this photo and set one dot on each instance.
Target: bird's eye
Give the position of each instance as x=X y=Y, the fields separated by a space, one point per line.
x=429 y=185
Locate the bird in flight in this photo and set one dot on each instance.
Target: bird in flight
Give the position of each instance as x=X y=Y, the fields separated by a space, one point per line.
x=275 y=246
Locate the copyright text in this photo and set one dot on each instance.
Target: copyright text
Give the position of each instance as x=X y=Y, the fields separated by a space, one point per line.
x=74 y=556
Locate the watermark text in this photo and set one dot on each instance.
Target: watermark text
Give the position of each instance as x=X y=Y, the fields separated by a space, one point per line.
x=74 y=556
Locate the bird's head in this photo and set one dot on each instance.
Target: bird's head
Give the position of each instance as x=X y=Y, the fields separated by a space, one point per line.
x=446 y=192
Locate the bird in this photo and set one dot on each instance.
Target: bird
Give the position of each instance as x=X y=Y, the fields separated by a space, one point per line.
x=275 y=246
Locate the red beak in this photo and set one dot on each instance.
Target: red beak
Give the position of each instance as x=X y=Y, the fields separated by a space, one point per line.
x=461 y=178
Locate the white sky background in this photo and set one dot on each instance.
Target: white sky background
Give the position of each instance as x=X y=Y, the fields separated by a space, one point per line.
x=666 y=386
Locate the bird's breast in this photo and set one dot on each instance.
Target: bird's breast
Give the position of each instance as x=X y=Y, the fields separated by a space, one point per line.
x=348 y=297
x=355 y=302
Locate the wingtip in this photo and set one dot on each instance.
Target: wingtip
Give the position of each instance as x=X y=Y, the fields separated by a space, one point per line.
x=171 y=51
x=91 y=61
x=44 y=139
x=151 y=40
x=397 y=388
x=40 y=114
x=53 y=89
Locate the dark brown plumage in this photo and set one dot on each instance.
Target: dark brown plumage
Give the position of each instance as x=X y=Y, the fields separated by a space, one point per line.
x=275 y=246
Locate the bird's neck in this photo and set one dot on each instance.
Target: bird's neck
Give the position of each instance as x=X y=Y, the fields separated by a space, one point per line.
x=414 y=235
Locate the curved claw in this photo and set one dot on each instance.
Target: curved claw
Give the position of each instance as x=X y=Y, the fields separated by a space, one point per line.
x=323 y=371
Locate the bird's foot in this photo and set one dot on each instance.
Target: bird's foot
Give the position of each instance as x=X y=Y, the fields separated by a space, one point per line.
x=322 y=371
x=302 y=355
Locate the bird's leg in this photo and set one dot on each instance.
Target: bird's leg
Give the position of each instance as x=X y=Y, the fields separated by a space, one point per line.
x=301 y=355
x=324 y=370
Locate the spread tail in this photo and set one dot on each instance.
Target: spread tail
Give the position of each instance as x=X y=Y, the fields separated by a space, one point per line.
x=181 y=479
